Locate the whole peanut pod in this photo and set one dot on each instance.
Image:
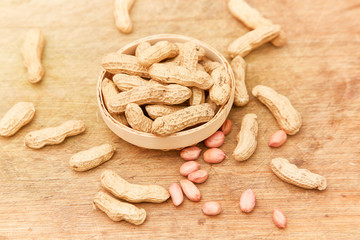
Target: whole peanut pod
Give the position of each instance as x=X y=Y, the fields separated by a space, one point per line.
x=211 y=208
x=190 y=153
x=189 y=55
x=125 y=82
x=32 y=51
x=117 y=210
x=93 y=157
x=285 y=114
x=109 y=90
x=209 y=65
x=18 y=116
x=190 y=190
x=176 y=194
x=159 y=110
x=132 y=192
x=186 y=55
x=122 y=15
x=158 y=52
x=252 y=19
x=141 y=47
x=246 y=138
x=171 y=73
x=169 y=94
x=290 y=173
x=189 y=167
x=243 y=45
x=123 y=63
x=182 y=119
x=220 y=92
x=197 y=97
x=54 y=135
x=137 y=119
x=238 y=65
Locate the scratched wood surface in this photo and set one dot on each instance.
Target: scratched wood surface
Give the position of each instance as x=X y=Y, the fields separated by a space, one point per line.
x=318 y=69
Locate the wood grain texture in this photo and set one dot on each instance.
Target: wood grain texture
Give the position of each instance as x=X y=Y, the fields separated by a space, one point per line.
x=318 y=70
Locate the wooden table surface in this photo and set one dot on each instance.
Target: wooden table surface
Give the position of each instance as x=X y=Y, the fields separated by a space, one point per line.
x=318 y=69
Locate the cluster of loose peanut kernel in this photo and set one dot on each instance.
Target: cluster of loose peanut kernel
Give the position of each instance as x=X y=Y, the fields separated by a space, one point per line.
x=162 y=89
x=191 y=170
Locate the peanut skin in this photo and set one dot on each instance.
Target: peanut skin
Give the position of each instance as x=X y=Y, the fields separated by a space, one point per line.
x=247 y=201
x=214 y=155
x=54 y=135
x=226 y=127
x=279 y=218
x=176 y=194
x=132 y=192
x=93 y=157
x=278 y=138
x=211 y=208
x=18 y=116
x=32 y=51
x=189 y=167
x=117 y=210
x=247 y=138
x=190 y=190
x=198 y=176
x=215 y=140
x=190 y=153
x=122 y=15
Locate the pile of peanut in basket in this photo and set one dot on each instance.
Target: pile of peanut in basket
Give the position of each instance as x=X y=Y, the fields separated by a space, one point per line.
x=164 y=87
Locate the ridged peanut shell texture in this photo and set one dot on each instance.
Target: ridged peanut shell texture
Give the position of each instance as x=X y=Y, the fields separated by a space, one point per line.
x=182 y=119
x=252 y=40
x=246 y=138
x=287 y=117
x=136 y=118
x=123 y=63
x=155 y=94
x=132 y=192
x=18 y=116
x=93 y=157
x=117 y=210
x=122 y=16
x=171 y=73
x=290 y=173
x=252 y=19
x=158 y=52
x=32 y=51
x=54 y=135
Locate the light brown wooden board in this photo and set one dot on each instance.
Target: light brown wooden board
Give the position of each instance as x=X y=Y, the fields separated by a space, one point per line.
x=318 y=69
